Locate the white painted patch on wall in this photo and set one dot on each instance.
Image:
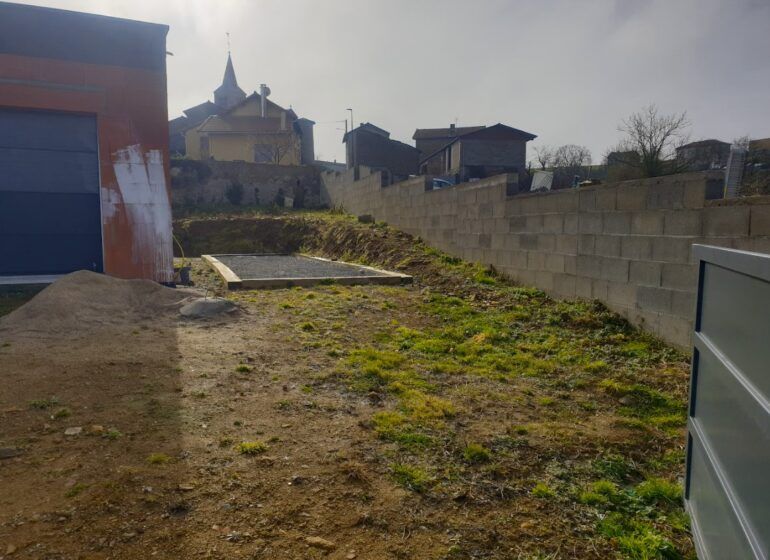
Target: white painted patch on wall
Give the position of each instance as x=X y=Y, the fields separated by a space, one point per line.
x=142 y=183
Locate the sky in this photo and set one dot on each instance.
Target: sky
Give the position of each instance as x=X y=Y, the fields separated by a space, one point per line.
x=568 y=71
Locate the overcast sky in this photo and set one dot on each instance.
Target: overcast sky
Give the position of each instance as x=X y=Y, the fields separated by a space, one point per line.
x=565 y=70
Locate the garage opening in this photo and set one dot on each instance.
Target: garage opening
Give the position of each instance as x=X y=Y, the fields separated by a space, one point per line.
x=50 y=218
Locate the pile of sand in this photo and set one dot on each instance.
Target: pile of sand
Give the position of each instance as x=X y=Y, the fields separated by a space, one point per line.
x=85 y=300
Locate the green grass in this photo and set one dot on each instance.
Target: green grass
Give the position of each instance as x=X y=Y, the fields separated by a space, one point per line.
x=543 y=491
x=158 y=459
x=251 y=447
x=476 y=453
x=411 y=477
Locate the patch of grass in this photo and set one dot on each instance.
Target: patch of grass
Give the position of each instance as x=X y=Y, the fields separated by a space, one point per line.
x=44 y=404
x=62 y=413
x=658 y=490
x=637 y=540
x=251 y=447
x=411 y=477
x=476 y=453
x=543 y=491
x=75 y=490
x=158 y=459
x=243 y=368
x=307 y=326
x=112 y=434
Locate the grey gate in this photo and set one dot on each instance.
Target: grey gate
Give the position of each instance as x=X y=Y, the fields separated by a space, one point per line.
x=727 y=486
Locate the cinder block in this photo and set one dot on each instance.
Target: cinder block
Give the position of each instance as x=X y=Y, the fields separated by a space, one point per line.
x=567 y=244
x=589 y=266
x=570 y=264
x=583 y=287
x=683 y=222
x=647 y=320
x=606 y=198
x=683 y=304
x=636 y=247
x=528 y=241
x=590 y=222
x=553 y=223
x=554 y=262
x=617 y=222
x=726 y=221
x=536 y=260
x=544 y=280
x=485 y=240
x=680 y=276
x=607 y=245
x=546 y=242
x=667 y=194
x=570 y=223
x=586 y=244
x=654 y=299
x=615 y=270
x=517 y=224
x=564 y=285
x=621 y=293
x=516 y=259
x=631 y=196
x=672 y=249
x=647 y=222
x=587 y=200
x=675 y=330
x=645 y=273
x=694 y=194
x=534 y=223
x=760 y=220
x=599 y=289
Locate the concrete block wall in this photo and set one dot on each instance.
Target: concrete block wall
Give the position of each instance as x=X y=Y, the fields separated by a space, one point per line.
x=627 y=244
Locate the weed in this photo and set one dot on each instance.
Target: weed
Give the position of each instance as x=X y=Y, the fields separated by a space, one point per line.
x=476 y=453
x=75 y=490
x=243 y=368
x=112 y=434
x=307 y=326
x=542 y=490
x=658 y=490
x=411 y=477
x=62 y=413
x=43 y=404
x=158 y=459
x=251 y=447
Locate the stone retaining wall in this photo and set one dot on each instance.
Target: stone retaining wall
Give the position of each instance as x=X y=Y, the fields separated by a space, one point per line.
x=627 y=244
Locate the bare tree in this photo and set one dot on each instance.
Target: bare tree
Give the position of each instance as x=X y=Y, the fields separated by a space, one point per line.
x=544 y=156
x=652 y=138
x=277 y=148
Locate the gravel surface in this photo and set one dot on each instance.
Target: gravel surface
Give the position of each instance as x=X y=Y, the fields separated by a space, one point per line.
x=251 y=267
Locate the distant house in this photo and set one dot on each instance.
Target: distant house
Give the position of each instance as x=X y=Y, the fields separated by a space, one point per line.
x=372 y=146
x=431 y=140
x=481 y=153
x=240 y=127
x=704 y=154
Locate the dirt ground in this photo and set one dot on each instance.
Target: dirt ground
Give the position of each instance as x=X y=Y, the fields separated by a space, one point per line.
x=311 y=424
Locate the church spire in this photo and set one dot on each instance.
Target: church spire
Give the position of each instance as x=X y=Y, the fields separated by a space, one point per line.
x=229 y=94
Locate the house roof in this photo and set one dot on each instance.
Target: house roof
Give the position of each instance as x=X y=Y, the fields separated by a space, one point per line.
x=241 y=125
x=199 y=112
x=367 y=127
x=511 y=132
x=438 y=133
x=760 y=144
x=256 y=96
x=704 y=143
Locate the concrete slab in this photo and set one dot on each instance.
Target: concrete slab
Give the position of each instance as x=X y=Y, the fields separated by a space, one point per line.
x=252 y=271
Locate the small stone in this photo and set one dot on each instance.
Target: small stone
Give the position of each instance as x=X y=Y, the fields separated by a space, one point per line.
x=74 y=431
x=351 y=556
x=9 y=452
x=318 y=542
x=96 y=429
x=10 y=549
x=296 y=480
x=186 y=487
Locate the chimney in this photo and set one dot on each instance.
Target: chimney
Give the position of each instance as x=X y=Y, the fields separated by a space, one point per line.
x=452 y=127
x=263 y=99
x=283 y=120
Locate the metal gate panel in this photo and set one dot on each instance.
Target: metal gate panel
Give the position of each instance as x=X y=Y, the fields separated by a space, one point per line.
x=50 y=216
x=727 y=488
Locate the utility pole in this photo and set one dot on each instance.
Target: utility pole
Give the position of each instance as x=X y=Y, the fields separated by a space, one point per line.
x=353 y=145
x=352 y=125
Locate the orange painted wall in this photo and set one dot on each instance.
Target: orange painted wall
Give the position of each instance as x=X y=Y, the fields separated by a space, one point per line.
x=130 y=105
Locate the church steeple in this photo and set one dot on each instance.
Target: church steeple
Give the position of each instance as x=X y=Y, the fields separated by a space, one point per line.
x=229 y=94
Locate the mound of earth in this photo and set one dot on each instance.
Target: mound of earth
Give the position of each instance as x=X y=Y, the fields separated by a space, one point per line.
x=86 y=300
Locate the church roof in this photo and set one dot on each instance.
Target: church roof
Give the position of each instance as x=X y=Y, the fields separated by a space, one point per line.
x=229 y=82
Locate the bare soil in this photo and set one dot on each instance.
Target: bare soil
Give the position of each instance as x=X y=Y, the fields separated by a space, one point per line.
x=164 y=404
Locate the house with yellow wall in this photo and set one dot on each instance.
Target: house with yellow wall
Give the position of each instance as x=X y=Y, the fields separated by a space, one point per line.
x=240 y=127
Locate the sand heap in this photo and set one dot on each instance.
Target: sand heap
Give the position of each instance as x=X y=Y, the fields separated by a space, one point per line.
x=85 y=300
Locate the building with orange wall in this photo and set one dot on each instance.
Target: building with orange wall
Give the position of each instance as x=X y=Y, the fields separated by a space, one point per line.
x=83 y=146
